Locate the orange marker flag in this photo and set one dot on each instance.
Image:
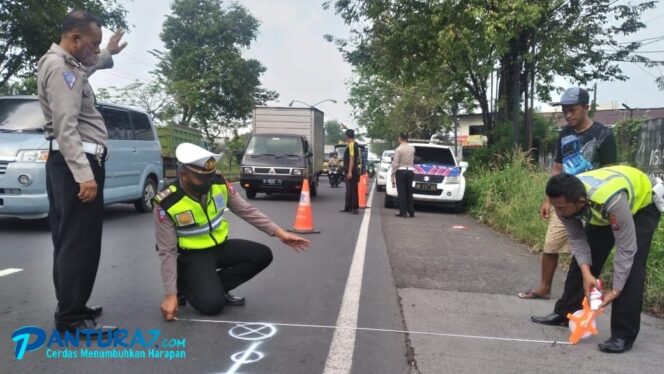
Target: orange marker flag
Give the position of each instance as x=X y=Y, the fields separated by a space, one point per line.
x=582 y=323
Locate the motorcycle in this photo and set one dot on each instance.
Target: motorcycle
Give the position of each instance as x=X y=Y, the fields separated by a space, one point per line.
x=334 y=175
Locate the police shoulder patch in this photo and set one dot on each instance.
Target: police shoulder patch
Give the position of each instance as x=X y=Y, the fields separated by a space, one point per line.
x=70 y=79
x=164 y=194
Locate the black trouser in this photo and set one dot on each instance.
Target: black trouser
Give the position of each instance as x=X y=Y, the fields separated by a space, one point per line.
x=626 y=309
x=76 y=231
x=352 y=196
x=237 y=260
x=405 y=191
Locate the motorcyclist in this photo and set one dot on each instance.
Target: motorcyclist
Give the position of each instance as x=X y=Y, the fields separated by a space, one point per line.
x=333 y=169
x=333 y=161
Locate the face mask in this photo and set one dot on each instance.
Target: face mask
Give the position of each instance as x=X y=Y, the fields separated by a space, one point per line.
x=202 y=188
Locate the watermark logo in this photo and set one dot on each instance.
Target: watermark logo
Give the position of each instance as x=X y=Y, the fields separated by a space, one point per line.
x=87 y=343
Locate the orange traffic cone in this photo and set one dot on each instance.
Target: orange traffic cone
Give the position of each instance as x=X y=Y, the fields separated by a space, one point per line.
x=362 y=192
x=366 y=184
x=304 y=222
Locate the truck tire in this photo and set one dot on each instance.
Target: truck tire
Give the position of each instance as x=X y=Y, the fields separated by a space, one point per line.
x=144 y=204
x=251 y=194
x=314 y=187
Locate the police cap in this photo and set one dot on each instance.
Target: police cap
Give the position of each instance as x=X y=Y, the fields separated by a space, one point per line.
x=197 y=159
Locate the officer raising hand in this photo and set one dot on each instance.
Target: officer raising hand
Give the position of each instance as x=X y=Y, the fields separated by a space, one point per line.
x=199 y=262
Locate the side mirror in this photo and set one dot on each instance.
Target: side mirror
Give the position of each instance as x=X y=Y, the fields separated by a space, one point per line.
x=463 y=165
x=238 y=157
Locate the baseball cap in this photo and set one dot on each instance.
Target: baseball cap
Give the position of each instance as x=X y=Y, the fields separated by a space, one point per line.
x=573 y=96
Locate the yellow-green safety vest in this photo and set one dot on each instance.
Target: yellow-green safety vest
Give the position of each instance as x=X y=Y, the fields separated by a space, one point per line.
x=604 y=183
x=197 y=227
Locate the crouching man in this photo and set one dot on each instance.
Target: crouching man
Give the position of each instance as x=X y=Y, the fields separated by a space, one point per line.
x=198 y=260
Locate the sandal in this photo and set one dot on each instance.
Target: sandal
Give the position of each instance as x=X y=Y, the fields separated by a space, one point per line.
x=530 y=295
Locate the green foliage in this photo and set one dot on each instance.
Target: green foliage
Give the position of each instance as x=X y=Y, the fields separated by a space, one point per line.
x=627 y=136
x=25 y=86
x=507 y=196
x=151 y=97
x=203 y=68
x=452 y=47
x=333 y=132
x=233 y=148
x=28 y=27
x=545 y=135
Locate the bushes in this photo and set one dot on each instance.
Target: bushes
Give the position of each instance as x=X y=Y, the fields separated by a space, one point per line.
x=507 y=196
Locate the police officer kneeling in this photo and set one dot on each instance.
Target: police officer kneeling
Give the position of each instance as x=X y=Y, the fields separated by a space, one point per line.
x=198 y=259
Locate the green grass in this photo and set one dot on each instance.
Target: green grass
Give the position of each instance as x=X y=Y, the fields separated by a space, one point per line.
x=507 y=197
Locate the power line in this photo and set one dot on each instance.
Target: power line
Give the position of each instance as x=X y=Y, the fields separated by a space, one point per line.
x=643 y=40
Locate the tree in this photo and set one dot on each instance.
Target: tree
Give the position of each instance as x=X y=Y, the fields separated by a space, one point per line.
x=457 y=45
x=26 y=86
x=202 y=67
x=333 y=132
x=233 y=148
x=151 y=97
x=28 y=27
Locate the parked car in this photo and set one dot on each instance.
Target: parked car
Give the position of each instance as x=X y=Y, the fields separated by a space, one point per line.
x=385 y=161
x=438 y=177
x=134 y=171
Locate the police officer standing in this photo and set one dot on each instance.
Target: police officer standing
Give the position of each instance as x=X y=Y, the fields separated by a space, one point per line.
x=352 y=166
x=198 y=260
x=600 y=208
x=403 y=174
x=75 y=167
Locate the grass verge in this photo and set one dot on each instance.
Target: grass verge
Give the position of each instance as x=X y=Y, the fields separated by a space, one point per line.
x=507 y=197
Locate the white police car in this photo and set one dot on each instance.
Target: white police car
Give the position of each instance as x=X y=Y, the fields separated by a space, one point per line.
x=385 y=161
x=438 y=177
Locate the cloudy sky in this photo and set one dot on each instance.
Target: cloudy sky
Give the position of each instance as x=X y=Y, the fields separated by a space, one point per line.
x=301 y=65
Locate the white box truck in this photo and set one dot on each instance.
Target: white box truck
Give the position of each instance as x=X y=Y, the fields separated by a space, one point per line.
x=286 y=146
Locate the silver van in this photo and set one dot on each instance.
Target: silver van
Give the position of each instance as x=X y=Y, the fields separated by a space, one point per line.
x=134 y=170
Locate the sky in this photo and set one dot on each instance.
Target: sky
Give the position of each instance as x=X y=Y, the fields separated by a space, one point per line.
x=302 y=66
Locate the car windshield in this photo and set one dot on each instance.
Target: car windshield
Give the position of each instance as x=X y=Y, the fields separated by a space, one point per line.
x=430 y=155
x=274 y=145
x=21 y=115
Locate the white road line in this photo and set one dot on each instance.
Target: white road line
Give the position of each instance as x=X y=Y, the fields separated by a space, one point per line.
x=340 y=357
x=381 y=330
x=9 y=271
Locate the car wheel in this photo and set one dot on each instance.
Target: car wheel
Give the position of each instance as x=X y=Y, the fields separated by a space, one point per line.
x=144 y=204
x=251 y=194
x=458 y=207
x=380 y=188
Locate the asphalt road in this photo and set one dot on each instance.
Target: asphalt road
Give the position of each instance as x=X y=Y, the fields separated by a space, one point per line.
x=433 y=294
x=295 y=302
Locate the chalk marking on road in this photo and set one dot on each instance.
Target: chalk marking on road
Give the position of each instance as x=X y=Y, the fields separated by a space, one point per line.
x=9 y=271
x=246 y=357
x=383 y=330
x=340 y=357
